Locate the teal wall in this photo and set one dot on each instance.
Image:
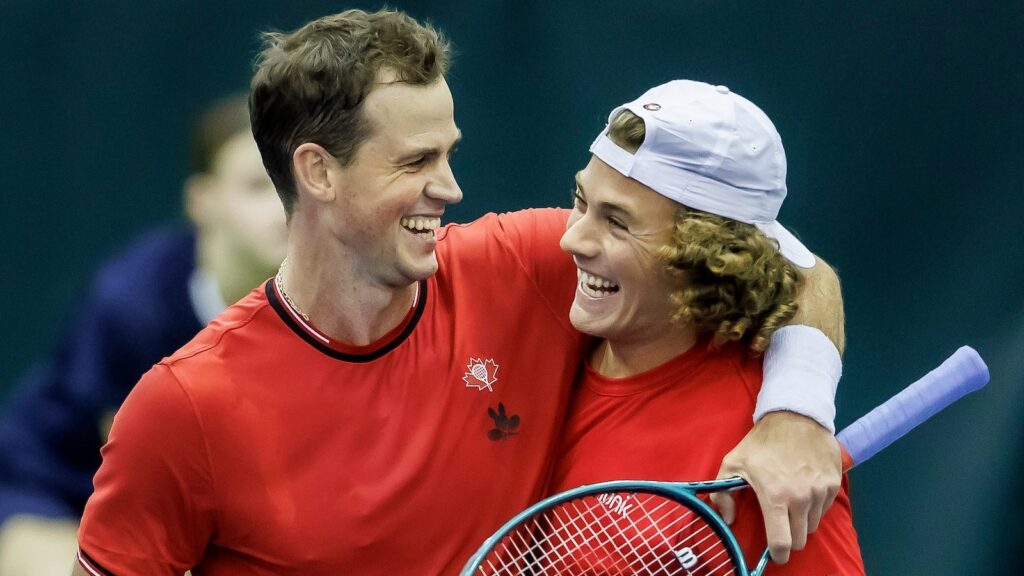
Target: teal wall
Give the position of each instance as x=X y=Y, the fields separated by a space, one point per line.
x=902 y=122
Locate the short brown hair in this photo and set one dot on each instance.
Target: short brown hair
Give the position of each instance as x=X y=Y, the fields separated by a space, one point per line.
x=310 y=84
x=218 y=123
x=738 y=285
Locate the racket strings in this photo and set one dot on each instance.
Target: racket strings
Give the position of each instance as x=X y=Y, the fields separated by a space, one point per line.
x=597 y=544
x=699 y=544
x=575 y=562
x=635 y=534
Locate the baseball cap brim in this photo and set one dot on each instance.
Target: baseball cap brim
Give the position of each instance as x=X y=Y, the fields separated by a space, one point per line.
x=789 y=246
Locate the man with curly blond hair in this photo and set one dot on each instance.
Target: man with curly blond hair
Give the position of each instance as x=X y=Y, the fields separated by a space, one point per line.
x=685 y=274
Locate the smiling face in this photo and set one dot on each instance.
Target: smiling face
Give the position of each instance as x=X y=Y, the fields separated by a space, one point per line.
x=614 y=233
x=393 y=194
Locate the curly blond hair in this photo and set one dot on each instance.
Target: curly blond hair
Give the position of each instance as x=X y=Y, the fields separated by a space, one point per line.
x=737 y=285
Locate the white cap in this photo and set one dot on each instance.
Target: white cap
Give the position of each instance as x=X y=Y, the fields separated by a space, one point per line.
x=709 y=149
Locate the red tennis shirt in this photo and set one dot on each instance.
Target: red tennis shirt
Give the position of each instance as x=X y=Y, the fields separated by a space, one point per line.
x=263 y=447
x=677 y=422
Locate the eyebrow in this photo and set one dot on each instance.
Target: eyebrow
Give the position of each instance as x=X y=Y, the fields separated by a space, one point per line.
x=426 y=151
x=606 y=206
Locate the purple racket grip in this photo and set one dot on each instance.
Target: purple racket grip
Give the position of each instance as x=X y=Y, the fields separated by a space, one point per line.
x=962 y=373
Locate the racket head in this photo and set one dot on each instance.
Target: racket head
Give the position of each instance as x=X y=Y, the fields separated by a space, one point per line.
x=621 y=527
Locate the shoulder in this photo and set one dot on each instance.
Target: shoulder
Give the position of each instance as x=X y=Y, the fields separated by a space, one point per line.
x=245 y=320
x=158 y=261
x=527 y=239
x=160 y=252
x=524 y=225
x=517 y=251
x=139 y=296
x=736 y=360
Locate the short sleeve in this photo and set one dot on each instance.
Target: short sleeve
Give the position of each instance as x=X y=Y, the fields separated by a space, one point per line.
x=152 y=511
x=522 y=242
x=534 y=237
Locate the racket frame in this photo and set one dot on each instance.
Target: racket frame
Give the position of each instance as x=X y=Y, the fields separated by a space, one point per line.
x=683 y=492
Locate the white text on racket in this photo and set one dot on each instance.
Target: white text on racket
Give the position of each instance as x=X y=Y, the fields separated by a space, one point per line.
x=616 y=503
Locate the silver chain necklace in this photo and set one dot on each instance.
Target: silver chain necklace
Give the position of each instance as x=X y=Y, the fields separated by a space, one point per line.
x=280 y=288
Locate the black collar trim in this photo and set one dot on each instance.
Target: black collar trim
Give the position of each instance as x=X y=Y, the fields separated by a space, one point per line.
x=279 y=307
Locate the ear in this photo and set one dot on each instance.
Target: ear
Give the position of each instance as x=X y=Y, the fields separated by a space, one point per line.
x=311 y=165
x=199 y=199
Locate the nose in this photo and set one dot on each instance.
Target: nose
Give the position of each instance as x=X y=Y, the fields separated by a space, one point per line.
x=444 y=186
x=576 y=239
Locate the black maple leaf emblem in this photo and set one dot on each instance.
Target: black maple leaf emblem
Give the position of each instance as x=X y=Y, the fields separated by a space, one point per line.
x=505 y=425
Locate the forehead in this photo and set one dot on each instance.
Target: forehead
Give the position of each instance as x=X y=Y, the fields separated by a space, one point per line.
x=603 y=185
x=404 y=114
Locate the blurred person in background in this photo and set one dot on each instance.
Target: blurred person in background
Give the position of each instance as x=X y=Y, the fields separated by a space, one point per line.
x=144 y=303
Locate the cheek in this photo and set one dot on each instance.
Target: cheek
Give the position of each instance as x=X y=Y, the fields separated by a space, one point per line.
x=373 y=222
x=663 y=286
x=380 y=207
x=650 y=287
x=645 y=266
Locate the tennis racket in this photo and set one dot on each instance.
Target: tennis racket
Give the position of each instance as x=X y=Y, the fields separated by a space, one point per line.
x=656 y=528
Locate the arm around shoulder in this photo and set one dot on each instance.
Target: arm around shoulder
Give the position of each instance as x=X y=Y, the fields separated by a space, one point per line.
x=803 y=363
x=790 y=457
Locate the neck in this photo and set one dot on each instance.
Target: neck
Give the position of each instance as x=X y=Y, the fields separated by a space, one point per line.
x=236 y=275
x=339 y=300
x=624 y=358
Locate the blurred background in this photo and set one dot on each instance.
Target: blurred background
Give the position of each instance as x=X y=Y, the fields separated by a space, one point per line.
x=902 y=122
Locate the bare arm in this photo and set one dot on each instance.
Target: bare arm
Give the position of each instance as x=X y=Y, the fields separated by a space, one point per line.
x=791 y=461
x=821 y=304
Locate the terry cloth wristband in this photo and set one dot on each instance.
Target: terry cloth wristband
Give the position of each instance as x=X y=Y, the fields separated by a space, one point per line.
x=801 y=372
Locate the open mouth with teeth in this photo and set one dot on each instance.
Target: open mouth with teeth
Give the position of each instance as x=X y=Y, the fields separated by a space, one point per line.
x=420 y=224
x=595 y=286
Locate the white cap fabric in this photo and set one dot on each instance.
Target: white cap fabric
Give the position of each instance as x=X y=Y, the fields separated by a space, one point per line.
x=709 y=149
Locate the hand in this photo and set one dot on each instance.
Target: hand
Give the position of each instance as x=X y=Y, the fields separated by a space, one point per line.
x=795 y=468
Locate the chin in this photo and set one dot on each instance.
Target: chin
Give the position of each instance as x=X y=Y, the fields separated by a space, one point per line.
x=585 y=323
x=422 y=269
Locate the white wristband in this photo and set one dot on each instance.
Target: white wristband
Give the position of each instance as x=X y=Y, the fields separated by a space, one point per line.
x=801 y=372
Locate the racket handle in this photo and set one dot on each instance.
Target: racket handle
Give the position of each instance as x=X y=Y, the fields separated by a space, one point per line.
x=962 y=373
